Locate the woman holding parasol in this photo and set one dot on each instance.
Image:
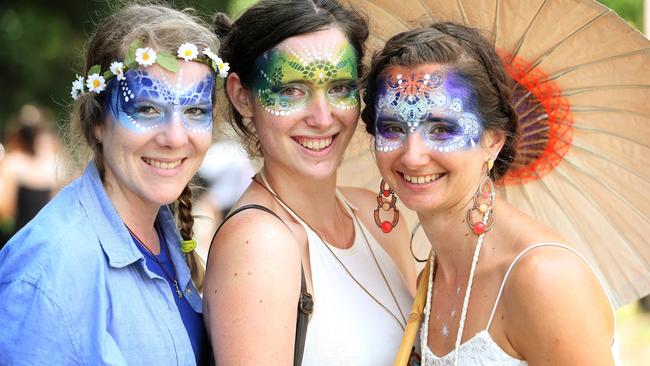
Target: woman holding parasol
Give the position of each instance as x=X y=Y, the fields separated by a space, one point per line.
x=438 y=106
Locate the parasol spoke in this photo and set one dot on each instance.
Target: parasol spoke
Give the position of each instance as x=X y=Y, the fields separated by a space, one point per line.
x=574 y=223
x=461 y=9
x=550 y=51
x=581 y=190
x=524 y=36
x=576 y=91
x=589 y=108
x=618 y=135
x=606 y=186
x=495 y=26
x=570 y=69
x=425 y=7
x=613 y=162
x=598 y=206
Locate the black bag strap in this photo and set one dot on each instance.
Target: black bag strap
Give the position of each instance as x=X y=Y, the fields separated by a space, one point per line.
x=305 y=302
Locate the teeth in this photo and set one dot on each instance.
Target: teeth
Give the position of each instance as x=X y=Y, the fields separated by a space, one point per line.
x=162 y=164
x=422 y=179
x=316 y=144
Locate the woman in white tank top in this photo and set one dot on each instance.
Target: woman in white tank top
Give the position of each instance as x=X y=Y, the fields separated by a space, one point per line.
x=293 y=87
x=437 y=102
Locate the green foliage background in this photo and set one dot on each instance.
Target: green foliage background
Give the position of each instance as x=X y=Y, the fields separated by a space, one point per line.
x=41 y=43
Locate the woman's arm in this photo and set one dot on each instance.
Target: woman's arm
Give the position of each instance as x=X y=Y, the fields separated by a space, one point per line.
x=560 y=314
x=251 y=291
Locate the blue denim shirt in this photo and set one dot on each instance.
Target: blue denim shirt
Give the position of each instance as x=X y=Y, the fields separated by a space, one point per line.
x=75 y=290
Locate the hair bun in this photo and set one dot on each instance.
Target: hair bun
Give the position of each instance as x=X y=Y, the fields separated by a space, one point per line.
x=222 y=25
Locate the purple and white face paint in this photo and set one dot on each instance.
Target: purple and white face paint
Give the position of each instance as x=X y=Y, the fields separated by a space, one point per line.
x=145 y=101
x=440 y=106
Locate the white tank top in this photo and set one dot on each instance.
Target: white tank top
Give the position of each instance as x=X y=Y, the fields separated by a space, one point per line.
x=481 y=349
x=347 y=326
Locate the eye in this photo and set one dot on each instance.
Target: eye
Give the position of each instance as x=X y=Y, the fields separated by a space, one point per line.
x=147 y=111
x=292 y=92
x=341 y=90
x=437 y=130
x=196 y=112
x=391 y=130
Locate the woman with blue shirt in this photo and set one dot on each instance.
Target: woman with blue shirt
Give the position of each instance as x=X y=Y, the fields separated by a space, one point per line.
x=103 y=275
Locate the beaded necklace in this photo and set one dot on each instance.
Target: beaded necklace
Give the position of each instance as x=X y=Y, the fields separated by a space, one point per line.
x=155 y=258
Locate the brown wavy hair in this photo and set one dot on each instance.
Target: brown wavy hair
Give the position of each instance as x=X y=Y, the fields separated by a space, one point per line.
x=163 y=29
x=460 y=49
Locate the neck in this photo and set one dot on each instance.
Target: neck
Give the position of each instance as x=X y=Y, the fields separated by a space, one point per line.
x=314 y=201
x=138 y=215
x=451 y=238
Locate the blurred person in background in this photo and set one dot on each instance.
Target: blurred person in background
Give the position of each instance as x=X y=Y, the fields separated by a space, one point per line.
x=29 y=171
x=225 y=174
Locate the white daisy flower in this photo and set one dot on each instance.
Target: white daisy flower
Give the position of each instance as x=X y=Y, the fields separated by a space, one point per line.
x=223 y=67
x=117 y=68
x=96 y=83
x=77 y=87
x=145 y=56
x=188 y=51
x=209 y=53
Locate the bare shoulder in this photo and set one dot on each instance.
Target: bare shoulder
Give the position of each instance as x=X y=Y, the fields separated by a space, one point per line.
x=558 y=308
x=253 y=275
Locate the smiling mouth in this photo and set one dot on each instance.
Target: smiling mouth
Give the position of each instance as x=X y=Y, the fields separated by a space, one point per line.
x=315 y=144
x=422 y=179
x=161 y=164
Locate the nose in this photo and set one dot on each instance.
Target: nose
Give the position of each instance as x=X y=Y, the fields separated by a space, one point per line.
x=173 y=133
x=416 y=152
x=319 y=114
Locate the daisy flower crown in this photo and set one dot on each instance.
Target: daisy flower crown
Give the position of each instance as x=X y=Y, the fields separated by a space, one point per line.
x=137 y=55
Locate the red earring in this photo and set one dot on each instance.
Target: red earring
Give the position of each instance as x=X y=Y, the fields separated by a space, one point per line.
x=386 y=200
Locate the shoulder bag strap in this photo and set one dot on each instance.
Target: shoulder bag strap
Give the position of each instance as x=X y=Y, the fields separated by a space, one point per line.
x=305 y=302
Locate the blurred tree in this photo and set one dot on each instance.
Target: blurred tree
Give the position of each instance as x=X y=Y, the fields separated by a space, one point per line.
x=41 y=43
x=630 y=10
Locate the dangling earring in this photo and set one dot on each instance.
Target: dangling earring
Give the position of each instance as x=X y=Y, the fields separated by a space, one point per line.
x=246 y=120
x=480 y=218
x=386 y=204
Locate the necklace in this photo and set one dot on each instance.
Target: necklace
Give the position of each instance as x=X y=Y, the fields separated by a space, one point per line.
x=463 y=315
x=401 y=324
x=155 y=258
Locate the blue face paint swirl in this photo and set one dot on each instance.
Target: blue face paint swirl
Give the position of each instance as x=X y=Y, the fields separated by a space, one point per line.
x=441 y=107
x=142 y=103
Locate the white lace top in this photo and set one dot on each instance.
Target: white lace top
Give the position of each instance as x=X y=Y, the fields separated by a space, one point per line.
x=481 y=349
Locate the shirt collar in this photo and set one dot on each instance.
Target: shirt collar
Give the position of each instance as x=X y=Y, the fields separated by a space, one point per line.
x=114 y=238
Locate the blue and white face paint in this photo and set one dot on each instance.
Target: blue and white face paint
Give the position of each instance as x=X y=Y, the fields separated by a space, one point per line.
x=440 y=106
x=143 y=102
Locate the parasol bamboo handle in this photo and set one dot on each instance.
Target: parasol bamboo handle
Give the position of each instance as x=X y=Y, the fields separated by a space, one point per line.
x=414 y=320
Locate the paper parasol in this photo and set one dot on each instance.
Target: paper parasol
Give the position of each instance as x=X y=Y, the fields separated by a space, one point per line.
x=583 y=97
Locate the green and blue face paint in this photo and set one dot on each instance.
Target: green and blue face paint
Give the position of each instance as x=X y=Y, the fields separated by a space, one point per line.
x=287 y=77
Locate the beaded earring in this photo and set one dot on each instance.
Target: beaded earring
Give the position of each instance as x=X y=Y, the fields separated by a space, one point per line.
x=386 y=200
x=482 y=204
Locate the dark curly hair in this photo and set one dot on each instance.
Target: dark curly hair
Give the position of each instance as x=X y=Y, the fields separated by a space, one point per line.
x=465 y=51
x=270 y=22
